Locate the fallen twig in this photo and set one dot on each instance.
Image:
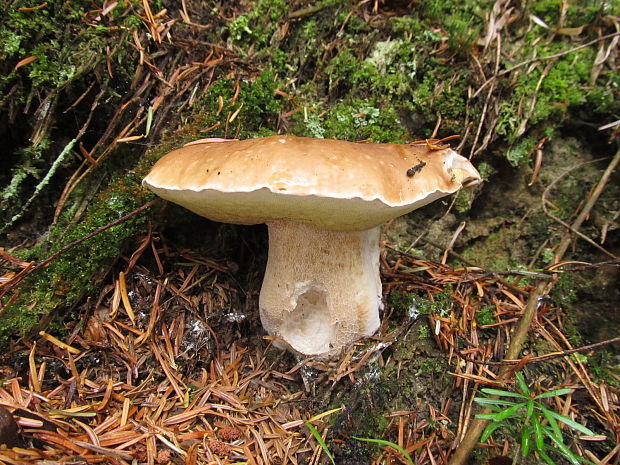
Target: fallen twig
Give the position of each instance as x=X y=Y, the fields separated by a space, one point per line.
x=473 y=433
x=546 y=57
x=572 y=228
x=547 y=357
x=12 y=284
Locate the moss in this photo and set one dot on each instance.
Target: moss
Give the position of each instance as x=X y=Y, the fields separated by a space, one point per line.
x=441 y=93
x=521 y=151
x=577 y=14
x=408 y=25
x=256 y=27
x=495 y=252
x=564 y=291
x=605 y=366
x=76 y=272
x=443 y=301
x=56 y=36
x=424 y=332
x=486 y=315
x=256 y=108
x=464 y=200
x=485 y=170
x=558 y=90
x=393 y=74
x=381 y=391
x=352 y=120
x=66 y=46
x=461 y=21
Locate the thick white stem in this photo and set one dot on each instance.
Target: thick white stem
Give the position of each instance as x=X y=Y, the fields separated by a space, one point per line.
x=322 y=289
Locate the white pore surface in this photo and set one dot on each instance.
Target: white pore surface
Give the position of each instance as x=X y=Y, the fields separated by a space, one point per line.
x=322 y=289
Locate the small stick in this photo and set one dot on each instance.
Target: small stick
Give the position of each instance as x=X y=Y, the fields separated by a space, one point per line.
x=544 y=358
x=546 y=57
x=598 y=190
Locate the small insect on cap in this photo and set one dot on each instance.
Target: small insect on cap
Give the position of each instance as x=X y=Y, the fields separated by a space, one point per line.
x=329 y=184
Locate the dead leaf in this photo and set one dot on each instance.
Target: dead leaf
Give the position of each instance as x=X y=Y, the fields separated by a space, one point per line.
x=25 y=61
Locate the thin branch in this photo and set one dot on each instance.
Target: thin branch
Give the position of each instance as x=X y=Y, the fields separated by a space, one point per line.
x=585 y=212
x=565 y=224
x=546 y=357
x=547 y=57
x=19 y=278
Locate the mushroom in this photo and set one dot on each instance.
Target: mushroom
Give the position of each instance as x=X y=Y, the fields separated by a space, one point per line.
x=323 y=202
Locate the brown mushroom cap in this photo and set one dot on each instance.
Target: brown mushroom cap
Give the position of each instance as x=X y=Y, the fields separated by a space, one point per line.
x=326 y=183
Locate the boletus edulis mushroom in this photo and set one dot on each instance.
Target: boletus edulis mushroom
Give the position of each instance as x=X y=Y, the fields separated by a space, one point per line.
x=323 y=202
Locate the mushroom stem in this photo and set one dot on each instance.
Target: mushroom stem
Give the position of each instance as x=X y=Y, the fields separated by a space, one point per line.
x=322 y=289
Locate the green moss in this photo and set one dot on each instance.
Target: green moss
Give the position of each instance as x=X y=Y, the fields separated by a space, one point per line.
x=381 y=390
x=66 y=46
x=564 y=291
x=402 y=302
x=485 y=170
x=257 y=108
x=443 y=301
x=256 y=27
x=581 y=13
x=562 y=88
x=464 y=200
x=441 y=92
x=239 y=27
x=353 y=120
x=407 y=25
x=486 y=315
x=78 y=271
x=424 y=332
x=495 y=252
x=462 y=21
x=410 y=305
x=56 y=36
x=392 y=66
x=394 y=75
x=605 y=366
x=519 y=152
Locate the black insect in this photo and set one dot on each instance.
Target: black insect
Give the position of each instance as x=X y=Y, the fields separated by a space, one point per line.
x=416 y=169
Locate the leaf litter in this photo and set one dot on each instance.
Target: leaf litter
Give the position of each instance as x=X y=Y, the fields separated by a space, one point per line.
x=155 y=371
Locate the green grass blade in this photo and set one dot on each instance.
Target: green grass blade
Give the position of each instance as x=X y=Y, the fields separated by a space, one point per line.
x=548 y=460
x=526 y=441
x=554 y=393
x=486 y=401
x=567 y=421
x=523 y=387
x=530 y=410
x=554 y=424
x=382 y=442
x=319 y=439
x=487 y=416
x=539 y=436
x=508 y=413
x=489 y=430
x=563 y=449
x=499 y=392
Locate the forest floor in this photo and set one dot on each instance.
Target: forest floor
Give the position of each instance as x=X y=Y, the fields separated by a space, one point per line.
x=130 y=338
